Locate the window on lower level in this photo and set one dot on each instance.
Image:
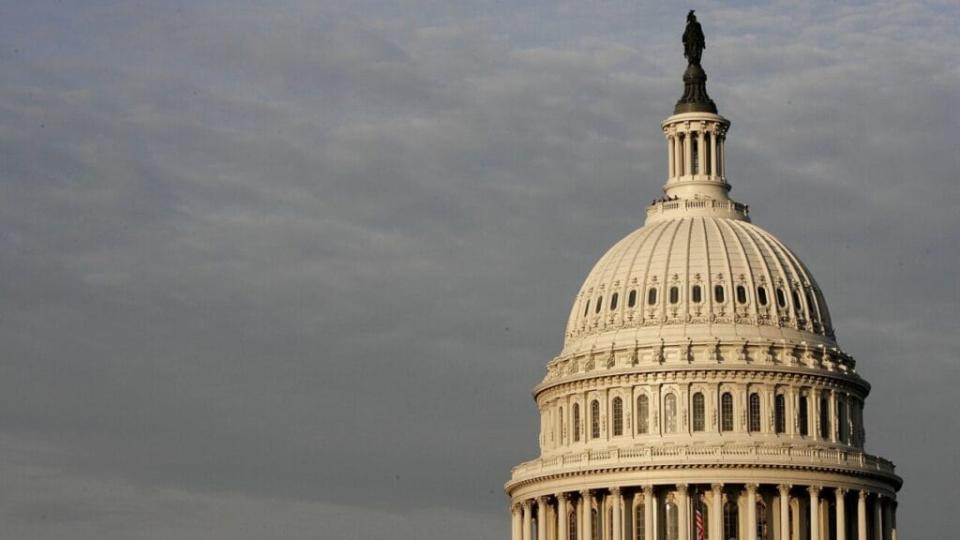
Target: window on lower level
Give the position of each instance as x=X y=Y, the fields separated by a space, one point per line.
x=617 y=416
x=643 y=414
x=780 y=414
x=726 y=412
x=803 y=415
x=670 y=414
x=753 y=424
x=576 y=422
x=699 y=416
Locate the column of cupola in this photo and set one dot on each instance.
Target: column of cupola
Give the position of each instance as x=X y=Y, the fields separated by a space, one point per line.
x=695 y=149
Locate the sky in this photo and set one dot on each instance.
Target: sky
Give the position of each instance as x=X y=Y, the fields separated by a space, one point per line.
x=290 y=269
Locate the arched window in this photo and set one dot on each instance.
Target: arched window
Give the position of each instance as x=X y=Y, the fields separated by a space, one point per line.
x=617 y=416
x=762 y=296
x=803 y=415
x=824 y=418
x=731 y=520
x=780 y=414
x=696 y=294
x=781 y=298
x=652 y=296
x=763 y=528
x=698 y=412
x=726 y=412
x=632 y=298
x=670 y=413
x=599 y=305
x=594 y=419
x=613 y=301
x=741 y=294
x=754 y=416
x=842 y=420
x=576 y=422
x=643 y=414
x=674 y=295
x=640 y=522
x=572 y=529
x=718 y=294
x=673 y=520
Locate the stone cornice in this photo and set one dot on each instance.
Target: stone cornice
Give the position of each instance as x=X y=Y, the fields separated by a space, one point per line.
x=706 y=457
x=635 y=375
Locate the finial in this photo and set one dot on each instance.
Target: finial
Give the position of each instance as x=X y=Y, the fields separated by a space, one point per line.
x=695 y=98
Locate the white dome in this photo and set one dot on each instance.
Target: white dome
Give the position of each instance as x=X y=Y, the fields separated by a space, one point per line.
x=645 y=288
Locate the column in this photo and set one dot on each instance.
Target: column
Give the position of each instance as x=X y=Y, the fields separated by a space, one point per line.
x=563 y=520
x=893 y=519
x=617 y=525
x=516 y=515
x=671 y=156
x=687 y=153
x=862 y=515
x=751 y=512
x=713 y=155
x=841 y=513
x=878 y=518
x=633 y=515
x=542 y=518
x=701 y=160
x=683 y=512
x=527 y=519
x=648 y=502
x=834 y=421
x=586 y=501
x=716 y=512
x=784 y=511
x=814 y=512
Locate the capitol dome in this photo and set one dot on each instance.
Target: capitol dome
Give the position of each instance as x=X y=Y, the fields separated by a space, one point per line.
x=697 y=277
x=700 y=393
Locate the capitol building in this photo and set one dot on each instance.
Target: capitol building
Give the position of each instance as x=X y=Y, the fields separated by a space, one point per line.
x=701 y=392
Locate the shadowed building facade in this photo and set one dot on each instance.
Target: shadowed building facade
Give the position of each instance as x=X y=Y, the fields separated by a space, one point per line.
x=700 y=392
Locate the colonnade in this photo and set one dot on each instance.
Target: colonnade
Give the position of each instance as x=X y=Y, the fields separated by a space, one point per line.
x=708 y=512
x=696 y=152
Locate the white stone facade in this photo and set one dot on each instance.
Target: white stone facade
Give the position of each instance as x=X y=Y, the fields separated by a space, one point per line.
x=700 y=391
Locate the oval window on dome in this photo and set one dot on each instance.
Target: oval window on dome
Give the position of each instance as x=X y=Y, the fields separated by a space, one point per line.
x=696 y=294
x=741 y=294
x=762 y=296
x=586 y=307
x=718 y=294
x=596 y=309
x=810 y=306
x=781 y=298
x=796 y=300
x=613 y=301
x=632 y=298
x=652 y=296
x=674 y=295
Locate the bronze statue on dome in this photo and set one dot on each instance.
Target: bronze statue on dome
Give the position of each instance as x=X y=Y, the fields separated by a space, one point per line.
x=693 y=40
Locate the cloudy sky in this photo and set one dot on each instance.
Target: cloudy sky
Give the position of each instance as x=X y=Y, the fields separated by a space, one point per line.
x=281 y=269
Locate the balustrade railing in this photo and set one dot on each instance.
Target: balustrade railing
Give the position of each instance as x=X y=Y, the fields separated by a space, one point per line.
x=774 y=455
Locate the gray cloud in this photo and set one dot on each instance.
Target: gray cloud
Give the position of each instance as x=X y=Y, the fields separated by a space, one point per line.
x=293 y=270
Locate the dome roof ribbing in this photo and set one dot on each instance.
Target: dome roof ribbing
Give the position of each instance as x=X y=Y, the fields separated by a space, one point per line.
x=697 y=277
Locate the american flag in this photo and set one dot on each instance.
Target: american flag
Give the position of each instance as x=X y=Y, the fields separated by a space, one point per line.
x=698 y=517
